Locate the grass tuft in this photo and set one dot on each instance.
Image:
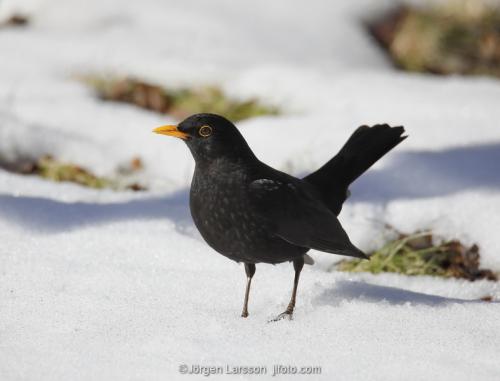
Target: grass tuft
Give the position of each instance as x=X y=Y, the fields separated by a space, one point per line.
x=179 y=103
x=16 y=20
x=52 y=169
x=418 y=254
x=456 y=37
x=49 y=168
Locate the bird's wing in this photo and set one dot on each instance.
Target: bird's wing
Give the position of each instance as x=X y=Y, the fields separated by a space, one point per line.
x=293 y=213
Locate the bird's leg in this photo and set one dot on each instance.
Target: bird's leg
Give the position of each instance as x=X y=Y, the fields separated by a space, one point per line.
x=298 y=264
x=250 y=270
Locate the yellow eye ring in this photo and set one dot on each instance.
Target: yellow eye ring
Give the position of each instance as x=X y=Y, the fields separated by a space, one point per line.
x=205 y=131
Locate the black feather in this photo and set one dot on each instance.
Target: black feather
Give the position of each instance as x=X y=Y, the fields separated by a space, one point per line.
x=365 y=146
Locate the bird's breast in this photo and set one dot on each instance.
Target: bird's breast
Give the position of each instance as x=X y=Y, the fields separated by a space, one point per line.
x=220 y=210
x=223 y=214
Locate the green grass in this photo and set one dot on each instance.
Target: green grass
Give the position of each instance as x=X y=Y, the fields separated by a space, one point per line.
x=418 y=254
x=49 y=168
x=179 y=103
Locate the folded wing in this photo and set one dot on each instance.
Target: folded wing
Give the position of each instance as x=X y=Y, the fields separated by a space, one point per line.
x=294 y=213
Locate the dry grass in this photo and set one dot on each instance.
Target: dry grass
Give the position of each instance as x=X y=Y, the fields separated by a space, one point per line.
x=457 y=37
x=421 y=253
x=16 y=20
x=179 y=103
x=52 y=169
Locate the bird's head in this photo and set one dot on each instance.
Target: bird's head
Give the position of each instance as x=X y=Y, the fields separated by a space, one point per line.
x=209 y=137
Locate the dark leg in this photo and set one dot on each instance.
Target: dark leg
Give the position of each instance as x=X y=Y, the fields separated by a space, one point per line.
x=297 y=265
x=250 y=270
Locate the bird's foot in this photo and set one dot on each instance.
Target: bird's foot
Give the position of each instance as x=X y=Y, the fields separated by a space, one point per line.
x=244 y=314
x=287 y=314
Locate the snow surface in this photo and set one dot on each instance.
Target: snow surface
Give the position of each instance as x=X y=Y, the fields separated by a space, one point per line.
x=99 y=285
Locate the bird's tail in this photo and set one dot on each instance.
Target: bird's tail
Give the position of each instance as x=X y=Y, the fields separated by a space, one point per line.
x=365 y=146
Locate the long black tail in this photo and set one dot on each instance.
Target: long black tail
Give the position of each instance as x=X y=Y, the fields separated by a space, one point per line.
x=365 y=146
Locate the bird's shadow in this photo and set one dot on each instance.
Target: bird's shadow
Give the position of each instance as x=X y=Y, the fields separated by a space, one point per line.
x=47 y=215
x=354 y=290
x=420 y=174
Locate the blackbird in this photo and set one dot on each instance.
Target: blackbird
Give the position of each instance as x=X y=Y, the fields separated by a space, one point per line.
x=252 y=213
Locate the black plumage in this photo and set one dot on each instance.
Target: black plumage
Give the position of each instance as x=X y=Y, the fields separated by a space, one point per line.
x=252 y=213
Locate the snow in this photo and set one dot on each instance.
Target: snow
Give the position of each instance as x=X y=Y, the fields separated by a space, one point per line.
x=97 y=284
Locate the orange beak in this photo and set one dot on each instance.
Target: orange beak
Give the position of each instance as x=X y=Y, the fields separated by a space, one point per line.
x=172 y=131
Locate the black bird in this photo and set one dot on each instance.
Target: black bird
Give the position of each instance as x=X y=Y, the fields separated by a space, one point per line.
x=252 y=213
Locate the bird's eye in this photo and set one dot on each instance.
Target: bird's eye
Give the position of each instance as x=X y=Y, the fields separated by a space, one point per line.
x=205 y=131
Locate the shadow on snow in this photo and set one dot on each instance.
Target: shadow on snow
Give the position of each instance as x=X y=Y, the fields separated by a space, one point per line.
x=431 y=173
x=46 y=215
x=409 y=175
x=366 y=292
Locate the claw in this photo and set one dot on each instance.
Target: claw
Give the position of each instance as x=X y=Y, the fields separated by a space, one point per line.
x=281 y=316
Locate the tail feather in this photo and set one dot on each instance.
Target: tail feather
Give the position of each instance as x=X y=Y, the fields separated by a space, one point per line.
x=365 y=146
